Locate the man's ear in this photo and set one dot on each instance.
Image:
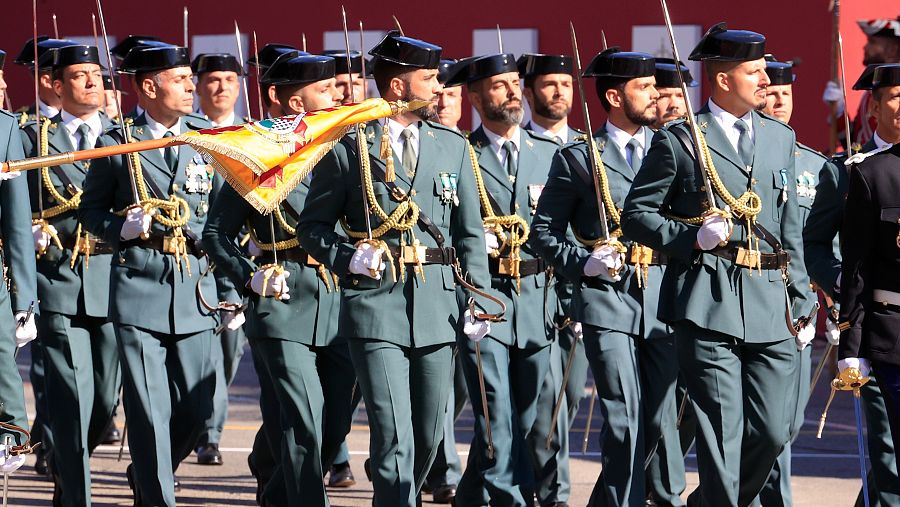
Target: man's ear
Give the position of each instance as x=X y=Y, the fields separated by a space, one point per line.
x=398 y=87
x=273 y=97
x=148 y=87
x=723 y=81
x=614 y=97
x=295 y=105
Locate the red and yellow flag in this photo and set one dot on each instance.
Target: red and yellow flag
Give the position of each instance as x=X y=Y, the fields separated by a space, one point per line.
x=264 y=160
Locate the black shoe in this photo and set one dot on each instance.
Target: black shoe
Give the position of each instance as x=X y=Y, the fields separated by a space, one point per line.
x=209 y=455
x=129 y=475
x=444 y=494
x=426 y=488
x=367 y=469
x=40 y=462
x=111 y=435
x=255 y=474
x=340 y=476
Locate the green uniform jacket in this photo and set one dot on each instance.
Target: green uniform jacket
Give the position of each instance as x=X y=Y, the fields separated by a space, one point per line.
x=528 y=326
x=700 y=287
x=808 y=164
x=84 y=289
x=310 y=316
x=15 y=225
x=569 y=199
x=821 y=238
x=146 y=289
x=414 y=314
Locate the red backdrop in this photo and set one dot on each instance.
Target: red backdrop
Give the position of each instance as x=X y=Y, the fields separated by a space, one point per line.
x=799 y=29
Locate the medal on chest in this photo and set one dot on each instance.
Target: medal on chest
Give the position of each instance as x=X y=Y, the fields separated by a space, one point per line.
x=806 y=185
x=534 y=195
x=448 y=188
x=198 y=176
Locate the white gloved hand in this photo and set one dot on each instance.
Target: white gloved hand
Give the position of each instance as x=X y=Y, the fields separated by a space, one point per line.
x=9 y=175
x=9 y=463
x=275 y=287
x=233 y=319
x=26 y=331
x=865 y=369
x=833 y=93
x=253 y=249
x=367 y=260
x=42 y=238
x=603 y=262
x=475 y=329
x=578 y=331
x=805 y=336
x=136 y=223
x=491 y=242
x=715 y=230
x=832 y=333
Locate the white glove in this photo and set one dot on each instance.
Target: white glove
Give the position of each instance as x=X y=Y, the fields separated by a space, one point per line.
x=41 y=237
x=275 y=287
x=832 y=333
x=136 y=223
x=604 y=261
x=833 y=93
x=233 y=319
x=475 y=329
x=715 y=230
x=855 y=362
x=578 y=331
x=490 y=240
x=9 y=463
x=253 y=249
x=9 y=175
x=805 y=336
x=26 y=331
x=367 y=261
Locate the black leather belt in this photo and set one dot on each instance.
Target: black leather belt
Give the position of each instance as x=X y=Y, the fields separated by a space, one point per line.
x=297 y=255
x=502 y=266
x=90 y=244
x=166 y=244
x=640 y=254
x=423 y=255
x=745 y=258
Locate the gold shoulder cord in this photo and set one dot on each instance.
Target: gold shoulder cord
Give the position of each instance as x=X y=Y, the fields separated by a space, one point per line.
x=173 y=212
x=293 y=242
x=516 y=226
x=39 y=218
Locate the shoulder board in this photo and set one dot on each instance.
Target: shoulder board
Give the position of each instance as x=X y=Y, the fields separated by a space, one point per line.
x=859 y=157
x=196 y=122
x=438 y=126
x=540 y=137
x=674 y=123
x=774 y=120
x=578 y=145
x=806 y=148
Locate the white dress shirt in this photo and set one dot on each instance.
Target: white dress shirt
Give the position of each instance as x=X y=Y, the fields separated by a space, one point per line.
x=397 y=142
x=726 y=121
x=227 y=122
x=158 y=130
x=561 y=136
x=498 y=141
x=47 y=111
x=879 y=142
x=71 y=124
x=620 y=139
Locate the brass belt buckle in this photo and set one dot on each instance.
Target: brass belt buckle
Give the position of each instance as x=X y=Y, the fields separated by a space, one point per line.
x=410 y=253
x=170 y=244
x=88 y=244
x=641 y=255
x=504 y=266
x=747 y=258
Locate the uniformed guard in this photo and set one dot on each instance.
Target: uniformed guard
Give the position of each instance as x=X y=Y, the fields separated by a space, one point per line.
x=294 y=316
x=670 y=104
x=449 y=107
x=264 y=59
x=218 y=87
x=161 y=301
x=79 y=344
x=630 y=351
x=18 y=293
x=548 y=90
x=348 y=76
x=122 y=49
x=870 y=248
x=512 y=168
x=821 y=238
x=110 y=97
x=420 y=223
x=728 y=265
x=3 y=86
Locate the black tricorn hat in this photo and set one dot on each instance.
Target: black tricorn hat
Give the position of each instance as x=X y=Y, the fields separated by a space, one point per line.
x=121 y=49
x=886 y=75
x=73 y=55
x=445 y=69
x=212 y=62
x=406 y=51
x=281 y=57
x=299 y=70
x=720 y=43
x=490 y=65
x=457 y=75
x=667 y=74
x=151 y=59
x=615 y=63
x=340 y=61
x=531 y=64
x=44 y=45
x=269 y=53
x=864 y=82
x=780 y=73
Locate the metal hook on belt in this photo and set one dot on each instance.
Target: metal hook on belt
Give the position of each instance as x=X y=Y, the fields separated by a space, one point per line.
x=492 y=317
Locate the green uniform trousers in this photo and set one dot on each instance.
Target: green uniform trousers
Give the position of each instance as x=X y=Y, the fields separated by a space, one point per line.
x=884 y=486
x=12 y=393
x=665 y=477
x=552 y=478
x=744 y=407
x=512 y=381
x=313 y=386
x=447 y=469
x=40 y=427
x=635 y=381
x=405 y=391
x=82 y=372
x=264 y=455
x=168 y=384
x=227 y=353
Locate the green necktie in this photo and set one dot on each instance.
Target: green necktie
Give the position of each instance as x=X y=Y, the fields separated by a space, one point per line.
x=745 y=145
x=634 y=155
x=408 y=160
x=169 y=154
x=511 y=165
x=84 y=142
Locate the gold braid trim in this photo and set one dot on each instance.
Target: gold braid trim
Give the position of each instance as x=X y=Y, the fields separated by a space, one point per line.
x=173 y=212
x=39 y=218
x=321 y=270
x=516 y=225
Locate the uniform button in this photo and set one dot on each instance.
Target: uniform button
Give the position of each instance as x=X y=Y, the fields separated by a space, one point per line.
x=355 y=281
x=412 y=192
x=754 y=181
x=121 y=260
x=175 y=187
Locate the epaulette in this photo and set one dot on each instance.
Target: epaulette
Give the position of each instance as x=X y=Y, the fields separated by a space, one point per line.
x=775 y=120
x=859 y=157
x=540 y=137
x=811 y=150
x=438 y=126
x=196 y=122
x=673 y=123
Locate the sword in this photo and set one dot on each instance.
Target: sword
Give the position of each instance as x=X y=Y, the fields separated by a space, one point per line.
x=37 y=104
x=484 y=401
x=259 y=100
x=857 y=409
x=303 y=40
x=560 y=398
x=844 y=92
x=240 y=50
x=397 y=24
x=362 y=61
x=55 y=28
x=186 y=43
x=7 y=442
x=499 y=39
x=587 y=427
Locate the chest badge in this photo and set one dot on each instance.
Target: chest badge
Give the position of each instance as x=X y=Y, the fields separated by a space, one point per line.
x=534 y=195
x=806 y=185
x=448 y=188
